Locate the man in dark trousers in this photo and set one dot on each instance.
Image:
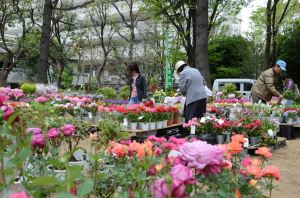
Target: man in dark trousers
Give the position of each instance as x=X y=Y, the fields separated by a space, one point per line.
x=192 y=87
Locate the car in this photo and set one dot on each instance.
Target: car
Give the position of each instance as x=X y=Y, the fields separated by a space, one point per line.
x=243 y=85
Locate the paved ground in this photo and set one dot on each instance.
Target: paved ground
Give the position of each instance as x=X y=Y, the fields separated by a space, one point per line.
x=288 y=160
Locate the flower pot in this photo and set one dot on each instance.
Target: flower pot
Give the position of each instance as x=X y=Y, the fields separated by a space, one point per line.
x=152 y=125
x=159 y=124
x=165 y=123
x=254 y=140
x=290 y=121
x=298 y=120
x=145 y=126
x=59 y=173
x=133 y=125
x=75 y=163
x=220 y=139
x=286 y=102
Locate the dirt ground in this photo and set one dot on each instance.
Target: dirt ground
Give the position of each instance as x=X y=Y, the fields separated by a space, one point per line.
x=288 y=160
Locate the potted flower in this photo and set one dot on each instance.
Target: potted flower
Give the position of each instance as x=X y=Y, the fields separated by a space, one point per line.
x=159 y=120
x=144 y=121
x=253 y=130
x=206 y=129
x=153 y=120
x=288 y=97
x=133 y=120
x=220 y=127
x=291 y=116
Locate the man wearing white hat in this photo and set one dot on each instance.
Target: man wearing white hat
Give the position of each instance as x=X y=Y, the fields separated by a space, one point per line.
x=191 y=85
x=264 y=88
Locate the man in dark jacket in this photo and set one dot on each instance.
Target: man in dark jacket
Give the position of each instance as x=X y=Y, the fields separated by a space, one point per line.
x=264 y=88
x=138 y=85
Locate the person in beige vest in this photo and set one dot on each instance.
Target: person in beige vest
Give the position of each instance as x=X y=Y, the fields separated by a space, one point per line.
x=264 y=88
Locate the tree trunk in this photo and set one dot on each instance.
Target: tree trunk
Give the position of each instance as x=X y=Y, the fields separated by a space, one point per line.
x=268 y=34
x=201 y=57
x=44 y=44
x=3 y=79
x=131 y=43
x=100 y=70
x=60 y=70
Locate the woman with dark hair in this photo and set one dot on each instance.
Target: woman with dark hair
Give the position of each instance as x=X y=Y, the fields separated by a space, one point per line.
x=289 y=84
x=138 y=86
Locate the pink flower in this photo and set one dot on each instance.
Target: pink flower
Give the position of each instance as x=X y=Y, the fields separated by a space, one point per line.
x=38 y=140
x=19 y=195
x=34 y=131
x=157 y=151
x=41 y=99
x=160 y=189
x=3 y=98
x=7 y=112
x=181 y=173
x=53 y=133
x=246 y=161
x=68 y=129
x=201 y=155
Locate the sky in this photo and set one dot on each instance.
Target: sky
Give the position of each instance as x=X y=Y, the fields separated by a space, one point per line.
x=246 y=13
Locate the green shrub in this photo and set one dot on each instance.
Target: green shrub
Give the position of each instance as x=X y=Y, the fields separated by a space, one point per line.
x=107 y=92
x=28 y=88
x=124 y=92
x=289 y=95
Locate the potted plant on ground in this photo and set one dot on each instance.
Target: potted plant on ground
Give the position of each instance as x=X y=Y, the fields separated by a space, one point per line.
x=220 y=127
x=288 y=97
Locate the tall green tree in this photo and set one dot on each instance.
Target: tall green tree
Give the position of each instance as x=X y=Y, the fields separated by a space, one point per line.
x=289 y=49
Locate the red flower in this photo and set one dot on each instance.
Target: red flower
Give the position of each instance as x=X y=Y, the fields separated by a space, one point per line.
x=271 y=171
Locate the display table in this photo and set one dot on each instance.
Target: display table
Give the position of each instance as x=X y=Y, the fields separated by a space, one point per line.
x=145 y=133
x=288 y=130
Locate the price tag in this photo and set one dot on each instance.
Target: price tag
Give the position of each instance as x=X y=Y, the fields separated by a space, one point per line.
x=193 y=130
x=202 y=120
x=220 y=121
x=125 y=122
x=246 y=142
x=271 y=133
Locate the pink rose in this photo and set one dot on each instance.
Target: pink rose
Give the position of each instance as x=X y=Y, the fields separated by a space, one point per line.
x=41 y=99
x=19 y=195
x=38 y=140
x=199 y=154
x=181 y=172
x=34 y=131
x=157 y=151
x=160 y=189
x=53 y=133
x=246 y=161
x=68 y=129
x=7 y=112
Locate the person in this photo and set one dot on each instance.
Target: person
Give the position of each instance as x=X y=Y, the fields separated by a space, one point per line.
x=289 y=84
x=138 y=85
x=192 y=87
x=264 y=88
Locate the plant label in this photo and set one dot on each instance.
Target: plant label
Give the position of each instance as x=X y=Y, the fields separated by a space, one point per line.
x=193 y=129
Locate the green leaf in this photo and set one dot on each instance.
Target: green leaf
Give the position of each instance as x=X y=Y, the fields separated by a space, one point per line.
x=64 y=195
x=85 y=188
x=46 y=181
x=12 y=117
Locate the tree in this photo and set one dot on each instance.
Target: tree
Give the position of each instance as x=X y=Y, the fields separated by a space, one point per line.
x=130 y=22
x=50 y=6
x=276 y=12
x=289 y=49
x=105 y=30
x=182 y=16
x=201 y=58
x=229 y=57
x=11 y=12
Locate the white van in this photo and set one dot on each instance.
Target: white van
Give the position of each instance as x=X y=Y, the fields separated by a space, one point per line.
x=243 y=85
